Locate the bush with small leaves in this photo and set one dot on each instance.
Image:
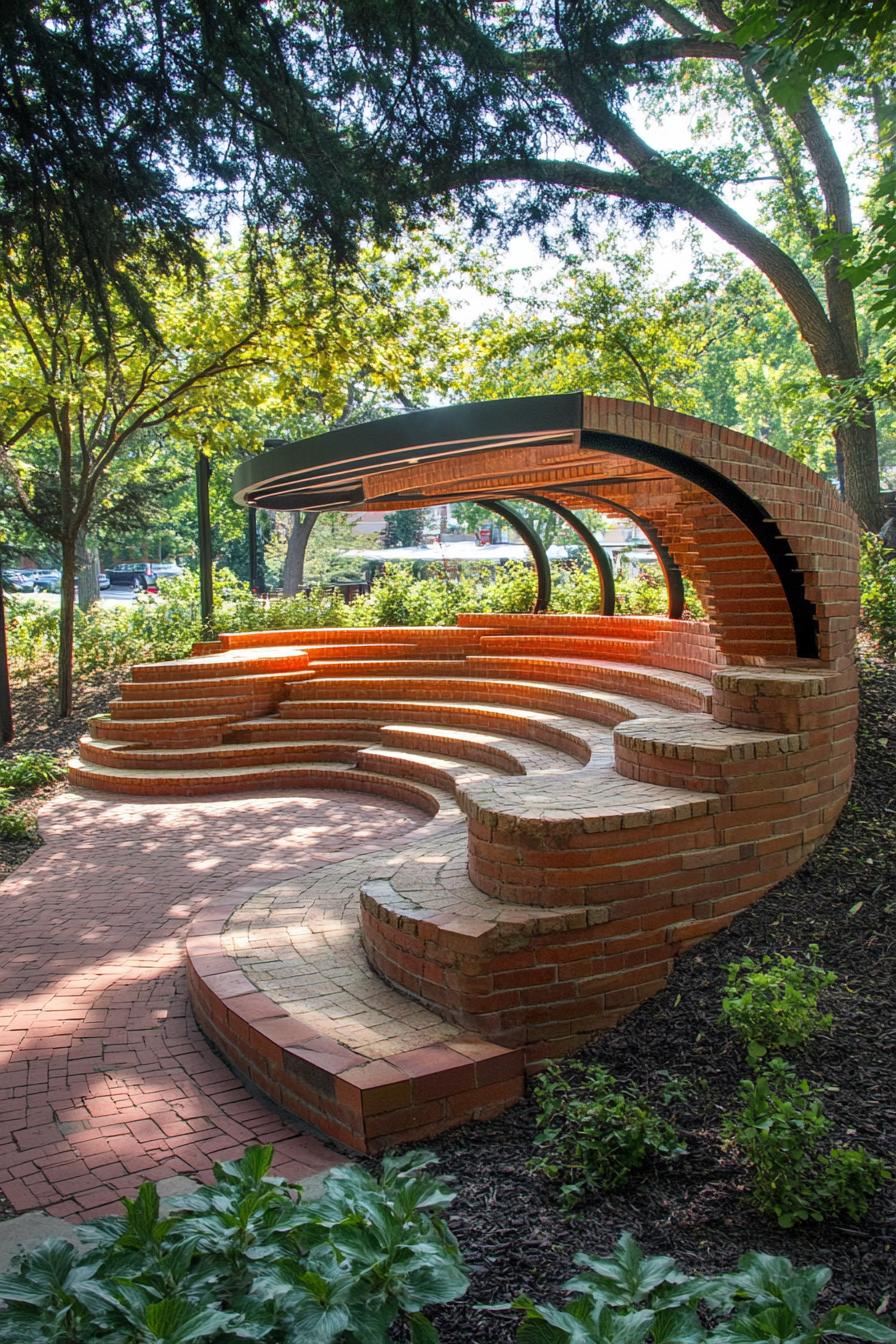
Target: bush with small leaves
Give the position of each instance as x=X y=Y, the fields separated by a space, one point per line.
x=781 y=1133
x=593 y=1133
x=29 y=770
x=16 y=824
x=632 y=1298
x=249 y=1259
x=772 y=1003
x=877 y=586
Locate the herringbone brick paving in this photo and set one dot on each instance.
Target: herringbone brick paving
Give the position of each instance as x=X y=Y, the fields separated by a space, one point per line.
x=106 y=1079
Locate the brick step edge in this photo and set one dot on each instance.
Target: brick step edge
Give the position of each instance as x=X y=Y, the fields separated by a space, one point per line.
x=240 y=779
x=365 y=1105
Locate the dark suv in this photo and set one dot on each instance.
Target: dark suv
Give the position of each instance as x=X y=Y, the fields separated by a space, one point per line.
x=140 y=575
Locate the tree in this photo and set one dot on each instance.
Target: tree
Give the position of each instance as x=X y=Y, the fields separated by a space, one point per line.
x=72 y=404
x=405 y=527
x=470 y=97
x=719 y=345
x=124 y=128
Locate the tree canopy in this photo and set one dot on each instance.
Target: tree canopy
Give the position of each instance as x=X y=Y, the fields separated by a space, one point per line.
x=123 y=129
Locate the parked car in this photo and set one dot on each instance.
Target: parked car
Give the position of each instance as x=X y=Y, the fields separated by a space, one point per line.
x=103 y=579
x=141 y=575
x=17 y=581
x=45 y=580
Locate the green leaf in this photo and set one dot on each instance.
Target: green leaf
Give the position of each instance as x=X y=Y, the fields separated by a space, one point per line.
x=422 y=1330
x=856 y=1323
x=251 y=1168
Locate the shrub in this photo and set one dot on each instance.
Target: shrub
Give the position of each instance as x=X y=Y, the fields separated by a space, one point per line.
x=772 y=1003
x=631 y=1298
x=244 y=1260
x=28 y=770
x=16 y=823
x=781 y=1132
x=594 y=1134
x=877 y=586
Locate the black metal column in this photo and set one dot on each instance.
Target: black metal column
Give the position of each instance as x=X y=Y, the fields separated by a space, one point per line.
x=252 y=534
x=671 y=572
x=602 y=562
x=206 y=591
x=531 y=538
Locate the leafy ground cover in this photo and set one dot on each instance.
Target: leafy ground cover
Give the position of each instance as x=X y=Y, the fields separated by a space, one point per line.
x=517 y=1236
x=39 y=730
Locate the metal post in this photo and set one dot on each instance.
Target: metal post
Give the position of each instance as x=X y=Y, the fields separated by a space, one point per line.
x=206 y=593
x=252 y=534
x=601 y=560
x=670 y=571
x=6 y=725
x=531 y=538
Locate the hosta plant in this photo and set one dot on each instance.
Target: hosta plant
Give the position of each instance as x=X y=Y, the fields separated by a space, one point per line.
x=632 y=1298
x=772 y=1003
x=248 y=1259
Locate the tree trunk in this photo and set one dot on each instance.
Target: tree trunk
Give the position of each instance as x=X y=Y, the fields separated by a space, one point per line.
x=857 y=450
x=296 y=546
x=67 y=627
x=88 y=560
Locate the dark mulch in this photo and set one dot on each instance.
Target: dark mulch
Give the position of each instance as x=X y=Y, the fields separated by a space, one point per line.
x=38 y=728
x=513 y=1232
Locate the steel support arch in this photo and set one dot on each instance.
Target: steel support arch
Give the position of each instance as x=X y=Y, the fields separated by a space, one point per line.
x=601 y=560
x=671 y=572
x=535 y=544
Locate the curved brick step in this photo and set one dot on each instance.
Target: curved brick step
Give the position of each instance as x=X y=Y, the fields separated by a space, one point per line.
x=448 y=666
x=424 y=636
x=275 y=659
x=194 y=688
x=279 y=981
x=506 y=753
x=183 y=757
x=578 y=702
x=696 y=752
x=237 y=779
x=276 y=727
x=201 y=707
x=582 y=739
x=201 y=730
x=678 y=690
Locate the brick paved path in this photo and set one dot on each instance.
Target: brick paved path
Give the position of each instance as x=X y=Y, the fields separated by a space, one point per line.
x=106 y=1080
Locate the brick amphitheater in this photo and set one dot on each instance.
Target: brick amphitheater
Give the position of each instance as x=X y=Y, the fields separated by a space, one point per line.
x=602 y=792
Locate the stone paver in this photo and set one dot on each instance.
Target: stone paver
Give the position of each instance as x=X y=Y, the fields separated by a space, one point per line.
x=106 y=1079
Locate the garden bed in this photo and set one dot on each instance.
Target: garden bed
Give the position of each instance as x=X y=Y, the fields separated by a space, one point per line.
x=513 y=1230
x=38 y=729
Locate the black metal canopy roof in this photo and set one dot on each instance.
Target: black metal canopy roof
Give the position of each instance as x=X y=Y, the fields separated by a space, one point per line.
x=325 y=471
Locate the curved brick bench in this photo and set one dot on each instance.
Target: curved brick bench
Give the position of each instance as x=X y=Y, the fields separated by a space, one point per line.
x=597 y=793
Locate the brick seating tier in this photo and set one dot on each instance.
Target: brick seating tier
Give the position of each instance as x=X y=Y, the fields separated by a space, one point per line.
x=601 y=793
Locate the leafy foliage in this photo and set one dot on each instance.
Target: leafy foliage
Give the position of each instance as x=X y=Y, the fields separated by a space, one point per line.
x=772 y=1003
x=28 y=770
x=16 y=823
x=632 y=1298
x=781 y=1132
x=248 y=1259
x=877 y=585
x=593 y=1133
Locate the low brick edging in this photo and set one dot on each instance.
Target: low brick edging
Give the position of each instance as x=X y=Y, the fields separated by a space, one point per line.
x=367 y=1105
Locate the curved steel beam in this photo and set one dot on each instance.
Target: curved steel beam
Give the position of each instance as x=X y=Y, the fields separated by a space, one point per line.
x=531 y=538
x=602 y=562
x=671 y=572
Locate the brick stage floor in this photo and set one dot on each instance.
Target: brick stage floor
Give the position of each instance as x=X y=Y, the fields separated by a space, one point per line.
x=106 y=1079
